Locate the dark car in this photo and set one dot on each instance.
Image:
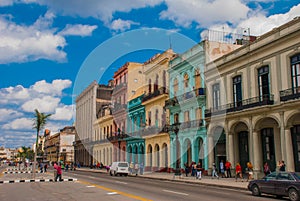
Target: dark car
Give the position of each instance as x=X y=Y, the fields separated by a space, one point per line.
x=277 y=183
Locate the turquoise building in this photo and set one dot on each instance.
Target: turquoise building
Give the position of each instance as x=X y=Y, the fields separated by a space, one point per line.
x=186 y=106
x=136 y=120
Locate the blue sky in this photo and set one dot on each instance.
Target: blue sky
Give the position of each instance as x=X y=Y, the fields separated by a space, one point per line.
x=45 y=44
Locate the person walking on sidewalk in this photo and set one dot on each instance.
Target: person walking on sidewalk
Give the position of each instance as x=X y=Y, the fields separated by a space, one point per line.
x=214 y=171
x=238 y=172
x=199 y=171
x=250 y=171
x=136 y=169
x=266 y=169
x=142 y=168
x=57 y=167
x=227 y=168
x=222 y=169
x=187 y=169
x=131 y=167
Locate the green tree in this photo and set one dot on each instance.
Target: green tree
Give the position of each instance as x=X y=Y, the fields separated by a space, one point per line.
x=39 y=123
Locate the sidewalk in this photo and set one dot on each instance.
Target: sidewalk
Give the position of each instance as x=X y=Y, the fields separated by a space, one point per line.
x=206 y=180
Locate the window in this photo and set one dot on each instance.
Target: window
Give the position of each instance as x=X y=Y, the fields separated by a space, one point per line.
x=198 y=114
x=186 y=80
x=156 y=83
x=149 y=86
x=216 y=95
x=186 y=116
x=176 y=118
x=263 y=83
x=164 y=80
x=175 y=86
x=237 y=90
x=149 y=118
x=295 y=69
x=197 y=79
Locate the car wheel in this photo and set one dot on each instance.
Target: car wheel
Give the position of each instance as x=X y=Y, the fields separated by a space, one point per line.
x=110 y=173
x=125 y=175
x=255 y=190
x=293 y=195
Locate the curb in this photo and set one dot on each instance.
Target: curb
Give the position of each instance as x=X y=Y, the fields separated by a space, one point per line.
x=20 y=172
x=34 y=180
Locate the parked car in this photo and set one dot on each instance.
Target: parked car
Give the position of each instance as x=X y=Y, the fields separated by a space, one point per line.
x=278 y=183
x=119 y=168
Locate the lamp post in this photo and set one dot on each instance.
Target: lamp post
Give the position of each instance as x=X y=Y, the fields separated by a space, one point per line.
x=176 y=130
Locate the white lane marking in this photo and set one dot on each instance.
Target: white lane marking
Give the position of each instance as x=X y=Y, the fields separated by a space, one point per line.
x=112 y=193
x=175 y=192
x=90 y=186
x=120 y=182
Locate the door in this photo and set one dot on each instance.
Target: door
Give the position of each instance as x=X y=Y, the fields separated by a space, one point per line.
x=295 y=131
x=243 y=149
x=268 y=183
x=267 y=135
x=237 y=91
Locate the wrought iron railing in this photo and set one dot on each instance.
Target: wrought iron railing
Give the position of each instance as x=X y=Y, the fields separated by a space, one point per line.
x=155 y=93
x=186 y=96
x=290 y=94
x=267 y=99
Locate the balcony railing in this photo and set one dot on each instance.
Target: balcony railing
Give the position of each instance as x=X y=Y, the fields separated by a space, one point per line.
x=117 y=137
x=192 y=124
x=155 y=93
x=186 y=96
x=120 y=86
x=290 y=94
x=267 y=99
x=119 y=107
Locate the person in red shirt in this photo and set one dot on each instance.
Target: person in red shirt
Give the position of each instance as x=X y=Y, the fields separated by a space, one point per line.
x=58 y=171
x=227 y=168
x=238 y=172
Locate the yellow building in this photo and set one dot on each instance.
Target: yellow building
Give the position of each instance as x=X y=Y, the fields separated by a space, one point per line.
x=156 y=137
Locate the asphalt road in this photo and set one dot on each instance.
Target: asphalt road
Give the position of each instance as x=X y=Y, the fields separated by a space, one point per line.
x=99 y=186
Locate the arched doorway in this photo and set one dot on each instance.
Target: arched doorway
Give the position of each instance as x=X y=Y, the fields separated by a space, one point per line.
x=123 y=153
x=149 y=157
x=188 y=152
x=156 y=156
x=142 y=154
x=243 y=148
x=200 y=155
x=268 y=148
x=220 y=145
x=129 y=154
x=135 y=152
x=165 y=155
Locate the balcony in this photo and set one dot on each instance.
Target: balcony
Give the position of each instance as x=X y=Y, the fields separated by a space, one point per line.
x=186 y=96
x=154 y=94
x=120 y=86
x=118 y=107
x=117 y=137
x=290 y=94
x=267 y=99
x=192 y=124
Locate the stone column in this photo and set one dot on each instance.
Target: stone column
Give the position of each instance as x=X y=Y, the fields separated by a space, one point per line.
x=282 y=137
x=250 y=143
x=256 y=154
x=230 y=157
x=290 y=165
x=210 y=153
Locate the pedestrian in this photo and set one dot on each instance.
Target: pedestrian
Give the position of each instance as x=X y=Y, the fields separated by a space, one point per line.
x=238 y=172
x=227 y=168
x=281 y=166
x=136 y=169
x=199 y=171
x=214 y=171
x=267 y=170
x=142 y=168
x=45 y=167
x=187 y=169
x=250 y=171
x=222 y=169
x=131 y=167
x=67 y=167
x=57 y=167
x=41 y=167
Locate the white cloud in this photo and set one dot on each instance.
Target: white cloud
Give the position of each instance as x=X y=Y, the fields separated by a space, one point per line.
x=63 y=113
x=7 y=114
x=19 y=124
x=13 y=94
x=21 y=43
x=46 y=104
x=54 y=88
x=6 y=2
x=122 y=25
x=78 y=30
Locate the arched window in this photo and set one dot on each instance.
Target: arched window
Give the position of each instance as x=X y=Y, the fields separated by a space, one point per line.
x=149 y=86
x=156 y=83
x=197 y=79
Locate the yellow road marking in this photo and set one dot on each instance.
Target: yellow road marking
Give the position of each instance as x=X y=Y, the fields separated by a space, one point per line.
x=116 y=191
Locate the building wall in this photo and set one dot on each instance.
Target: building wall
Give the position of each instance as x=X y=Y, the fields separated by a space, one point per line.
x=265 y=121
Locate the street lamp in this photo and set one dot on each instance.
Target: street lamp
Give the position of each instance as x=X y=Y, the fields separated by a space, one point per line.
x=176 y=130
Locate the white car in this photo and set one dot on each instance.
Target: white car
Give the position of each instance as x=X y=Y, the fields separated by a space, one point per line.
x=119 y=168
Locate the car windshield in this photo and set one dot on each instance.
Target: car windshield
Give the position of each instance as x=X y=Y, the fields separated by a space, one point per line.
x=271 y=176
x=123 y=164
x=297 y=174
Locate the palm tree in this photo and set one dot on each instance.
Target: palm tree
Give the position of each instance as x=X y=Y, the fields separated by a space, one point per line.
x=39 y=122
